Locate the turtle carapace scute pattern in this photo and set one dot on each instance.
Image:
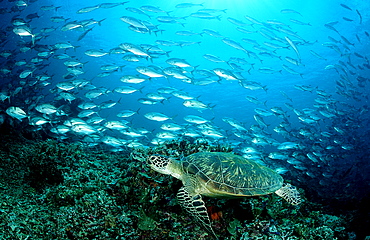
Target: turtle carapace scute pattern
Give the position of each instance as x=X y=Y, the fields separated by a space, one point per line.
x=221 y=175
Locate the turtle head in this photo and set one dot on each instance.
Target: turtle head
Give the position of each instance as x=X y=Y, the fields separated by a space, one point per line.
x=160 y=163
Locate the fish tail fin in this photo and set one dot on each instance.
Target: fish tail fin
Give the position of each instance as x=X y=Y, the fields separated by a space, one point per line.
x=33 y=39
x=249 y=71
x=99 y=22
x=247 y=52
x=211 y=106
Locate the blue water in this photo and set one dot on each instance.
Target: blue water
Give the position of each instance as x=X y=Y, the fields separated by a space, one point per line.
x=331 y=162
x=349 y=104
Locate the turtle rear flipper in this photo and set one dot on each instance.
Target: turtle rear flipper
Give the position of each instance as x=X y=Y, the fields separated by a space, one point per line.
x=290 y=194
x=196 y=207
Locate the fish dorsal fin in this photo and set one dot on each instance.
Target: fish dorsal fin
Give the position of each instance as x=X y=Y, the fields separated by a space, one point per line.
x=194 y=205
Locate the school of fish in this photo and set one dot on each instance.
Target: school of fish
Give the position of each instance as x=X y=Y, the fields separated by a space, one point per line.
x=45 y=84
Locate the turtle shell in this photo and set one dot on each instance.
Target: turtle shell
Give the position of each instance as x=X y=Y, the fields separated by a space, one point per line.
x=229 y=175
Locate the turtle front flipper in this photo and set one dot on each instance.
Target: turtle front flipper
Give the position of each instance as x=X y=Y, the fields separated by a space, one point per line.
x=196 y=207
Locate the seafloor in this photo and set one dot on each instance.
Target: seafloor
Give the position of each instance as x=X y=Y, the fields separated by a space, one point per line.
x=57 y=190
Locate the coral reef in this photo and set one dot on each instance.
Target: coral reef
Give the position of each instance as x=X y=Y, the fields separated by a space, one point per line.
x=54 y=190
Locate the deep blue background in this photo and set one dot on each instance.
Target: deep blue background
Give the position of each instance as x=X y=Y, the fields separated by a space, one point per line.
x=347 y=168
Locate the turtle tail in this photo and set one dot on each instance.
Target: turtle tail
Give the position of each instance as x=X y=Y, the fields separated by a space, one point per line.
x=290 y=194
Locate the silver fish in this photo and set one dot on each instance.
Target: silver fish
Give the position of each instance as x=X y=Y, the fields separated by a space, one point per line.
x=294 y=48
x=155 y=116
x=16 y=112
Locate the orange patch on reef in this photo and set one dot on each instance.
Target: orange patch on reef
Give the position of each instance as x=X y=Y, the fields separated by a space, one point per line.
x=214 y=213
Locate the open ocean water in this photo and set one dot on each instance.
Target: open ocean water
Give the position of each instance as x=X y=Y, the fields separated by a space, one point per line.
x=283 y=83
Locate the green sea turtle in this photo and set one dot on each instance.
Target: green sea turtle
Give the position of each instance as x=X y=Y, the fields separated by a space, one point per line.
x=222 y=175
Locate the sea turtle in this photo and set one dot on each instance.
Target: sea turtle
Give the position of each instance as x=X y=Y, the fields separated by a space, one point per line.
x=222 y=175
